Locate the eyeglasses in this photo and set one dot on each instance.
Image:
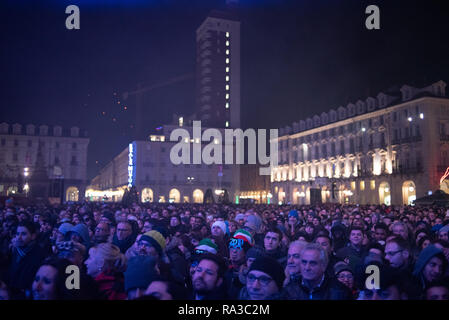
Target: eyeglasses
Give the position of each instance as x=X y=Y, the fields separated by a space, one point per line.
x=263 y=280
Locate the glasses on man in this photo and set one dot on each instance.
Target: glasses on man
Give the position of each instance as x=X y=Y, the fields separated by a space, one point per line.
x=263 y=280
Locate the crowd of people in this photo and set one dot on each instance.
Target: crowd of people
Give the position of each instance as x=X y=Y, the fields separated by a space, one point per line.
x=160 y=251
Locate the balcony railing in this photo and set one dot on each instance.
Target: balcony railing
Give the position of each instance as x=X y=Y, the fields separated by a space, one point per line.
x=444 y=137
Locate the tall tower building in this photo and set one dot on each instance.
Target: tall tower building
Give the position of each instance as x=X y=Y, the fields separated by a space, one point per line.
x=218 y=70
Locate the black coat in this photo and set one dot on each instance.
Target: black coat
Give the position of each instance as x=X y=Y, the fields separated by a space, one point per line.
x=330 y=289
x=22 y=271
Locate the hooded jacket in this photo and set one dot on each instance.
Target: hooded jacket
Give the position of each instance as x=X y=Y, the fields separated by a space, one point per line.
x=424 y=257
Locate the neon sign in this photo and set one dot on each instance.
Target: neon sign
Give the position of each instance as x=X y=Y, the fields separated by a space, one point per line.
x=131 y=165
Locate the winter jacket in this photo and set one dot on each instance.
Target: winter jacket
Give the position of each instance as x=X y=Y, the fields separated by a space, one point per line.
x=23 y=267
x=329 y=289
x=111 y=286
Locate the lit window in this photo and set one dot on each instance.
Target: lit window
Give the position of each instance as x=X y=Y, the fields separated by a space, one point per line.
x=227 y=34
x=227 y=124
x=353 y=185
x=227 y=78
x=362 y=185
x=227 y=70
x=227 y=105
x=373 y=184
x=227 y=95
x=421 y=115
x=227 y=87
x=227 y=43
x=227 y=52
x=227 y=60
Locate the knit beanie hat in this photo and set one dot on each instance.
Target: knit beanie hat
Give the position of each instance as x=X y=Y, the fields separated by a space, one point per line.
x=293 y=213
x=342 y=266
x=140 y=272
x=156 y=239
x=270 y=267
x=245 y=236
x=255 y=252
x=83 y=231
x=206 y=245
x=220 y=224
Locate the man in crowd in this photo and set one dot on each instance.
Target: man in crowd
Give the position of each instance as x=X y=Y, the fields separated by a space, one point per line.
x=314 y=283
x=207 y=280
x=272 y=245
x=264 y=280
x=25 y=260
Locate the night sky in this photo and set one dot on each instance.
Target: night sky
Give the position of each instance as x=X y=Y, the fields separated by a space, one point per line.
x=298 y=58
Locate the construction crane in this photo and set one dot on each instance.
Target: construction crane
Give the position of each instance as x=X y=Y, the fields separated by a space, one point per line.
x=139 y=93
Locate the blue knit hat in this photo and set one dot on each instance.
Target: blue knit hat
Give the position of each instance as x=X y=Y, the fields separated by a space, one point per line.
x=82 y=230
x=293 y=213
x=140 y=272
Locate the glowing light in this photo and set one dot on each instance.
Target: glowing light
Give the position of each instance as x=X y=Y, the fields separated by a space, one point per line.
x=227 y=34
x=131 y=167
x=387 y=189
x=363 y=129
x=411 y=189
x=409 y=119
x=269 y=195
x=181 y=121
x=219 y=192
x=26 y=187
x=421 y=115
x=227 y=124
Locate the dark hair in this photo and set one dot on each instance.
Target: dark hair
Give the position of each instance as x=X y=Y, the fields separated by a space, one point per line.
x=401 y=242
x=275 y=230
x=322 y=234
x=377 y=246
x=422 y=240
x=60 y=264
x=30 y=226
x=217 y=259
x=175 y=289
x=438 y=283
x=381 y=225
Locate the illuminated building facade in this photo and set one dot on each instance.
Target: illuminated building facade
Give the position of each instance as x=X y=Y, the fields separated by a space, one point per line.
x=63 y=160
x=388 y=149
x=147 y=166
